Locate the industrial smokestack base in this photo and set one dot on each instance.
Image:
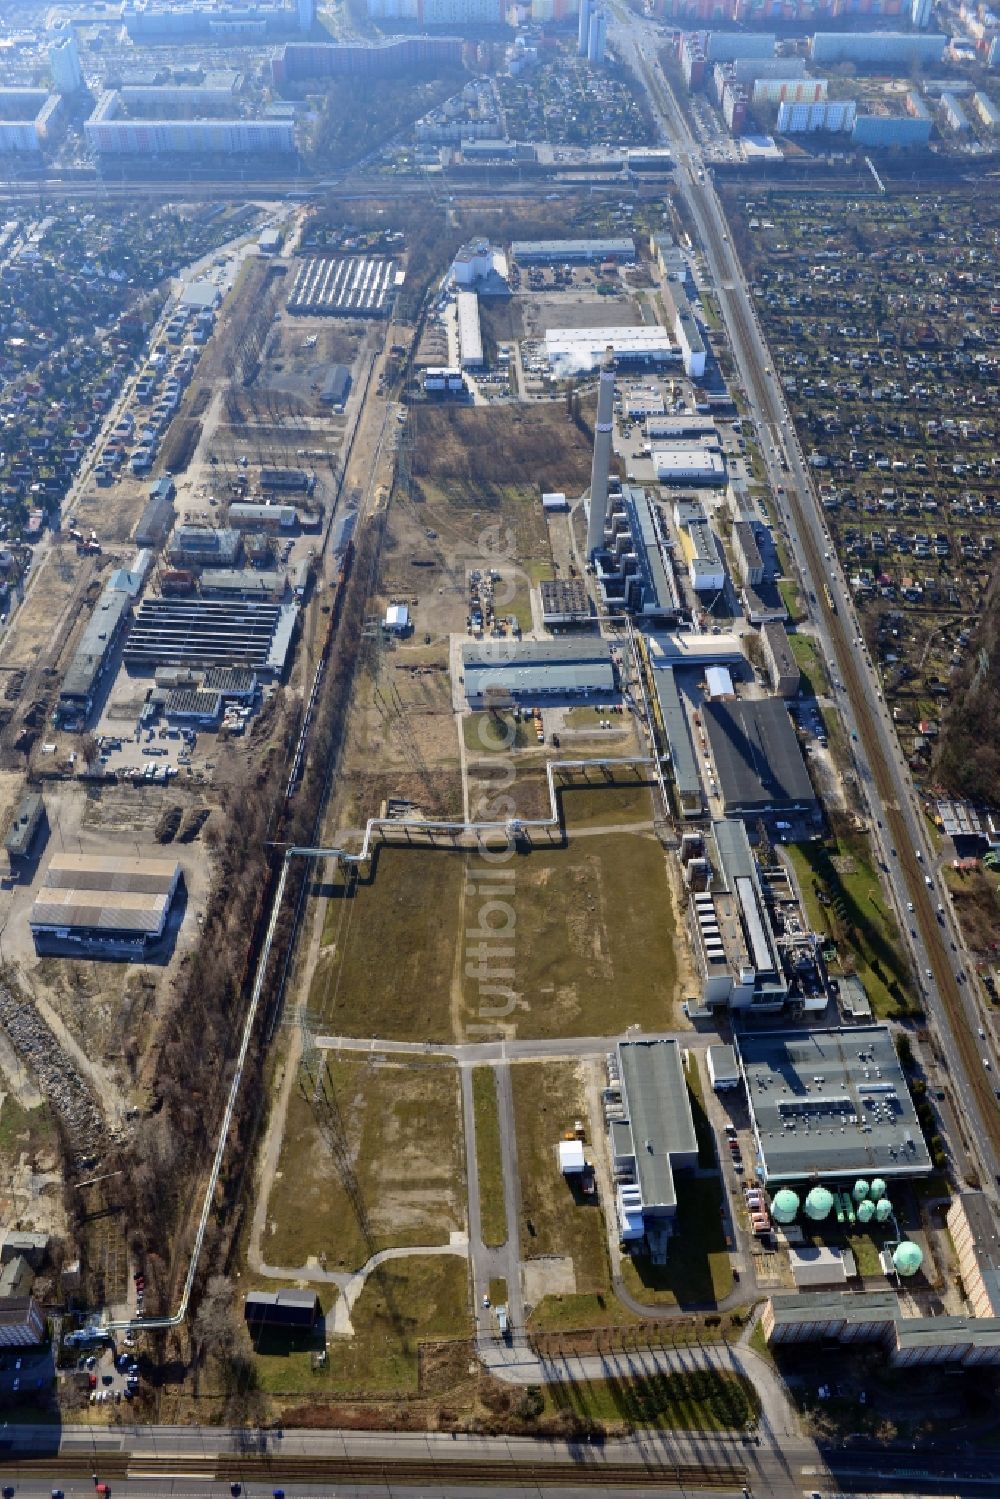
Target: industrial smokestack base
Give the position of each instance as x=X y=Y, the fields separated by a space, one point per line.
x=601 y=465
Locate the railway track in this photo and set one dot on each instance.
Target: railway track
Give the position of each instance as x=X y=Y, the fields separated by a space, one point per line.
x=407 y=1471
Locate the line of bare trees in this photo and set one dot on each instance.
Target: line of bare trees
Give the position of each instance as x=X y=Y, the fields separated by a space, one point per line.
x=167 y=1160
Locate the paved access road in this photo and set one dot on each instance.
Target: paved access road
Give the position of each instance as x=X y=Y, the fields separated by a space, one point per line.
x=900 y=832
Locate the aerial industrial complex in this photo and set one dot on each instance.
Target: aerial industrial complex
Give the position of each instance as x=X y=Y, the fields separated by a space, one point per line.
x=495 y=933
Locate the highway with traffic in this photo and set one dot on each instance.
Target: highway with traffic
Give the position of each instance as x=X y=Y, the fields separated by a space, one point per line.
x=900 y=832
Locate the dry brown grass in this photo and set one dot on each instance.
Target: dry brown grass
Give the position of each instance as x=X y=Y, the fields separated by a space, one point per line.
x=535 y=445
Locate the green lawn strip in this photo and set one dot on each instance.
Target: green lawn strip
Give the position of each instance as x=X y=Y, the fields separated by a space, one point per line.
x=495 y=733
x=611 y=805
x=489 y=1163
x=580 y=1310
x=857 y=917
x=808 y=660
x=404 y=1303
x=698 y=1270
x=696 y=1400
x=792 y=599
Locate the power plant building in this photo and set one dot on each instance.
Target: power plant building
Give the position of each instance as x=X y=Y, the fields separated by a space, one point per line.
x=635 y=565
x=831 y=1104
x=732 y=938
x=600 y=467
x=651 y=1136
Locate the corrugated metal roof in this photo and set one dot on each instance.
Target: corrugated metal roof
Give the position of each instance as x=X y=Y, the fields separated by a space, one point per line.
x=111 y=872
x=101 y=910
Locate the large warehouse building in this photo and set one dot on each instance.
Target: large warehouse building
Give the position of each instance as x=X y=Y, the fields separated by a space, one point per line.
x=758 y=761
x=572 y=251
x=201 y=633
x=831 y=1105
x=103 y=905
x=526 y=671
x=92 y=657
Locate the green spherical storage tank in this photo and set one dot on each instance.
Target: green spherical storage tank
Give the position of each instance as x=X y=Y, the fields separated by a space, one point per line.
x=866 y=1211
x=907 y=1258
x=860 y=1191
x=877 y=1188
x=819 y=1204
x=784 y=1206
x=883 y=1210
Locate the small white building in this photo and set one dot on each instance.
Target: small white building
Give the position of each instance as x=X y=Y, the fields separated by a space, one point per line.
x=397 y=619
x=723 y=1068
x=555 y=500
x=572 y=1160
x=718 y=682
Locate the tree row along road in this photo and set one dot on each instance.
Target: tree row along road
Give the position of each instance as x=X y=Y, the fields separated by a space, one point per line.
x=962 y=1049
